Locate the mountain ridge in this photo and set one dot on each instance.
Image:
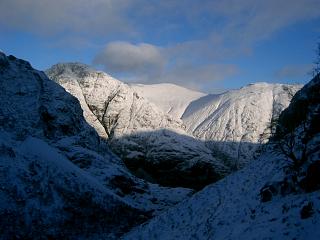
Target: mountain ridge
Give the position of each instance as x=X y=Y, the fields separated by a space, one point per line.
x=137 y=130
x=242 y=115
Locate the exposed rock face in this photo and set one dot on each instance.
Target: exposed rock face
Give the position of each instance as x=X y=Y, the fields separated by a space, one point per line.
x=58 y=177
x=153 y=144
x=235 y=123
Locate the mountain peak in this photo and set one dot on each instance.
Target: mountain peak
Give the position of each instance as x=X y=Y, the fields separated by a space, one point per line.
x=70 y=68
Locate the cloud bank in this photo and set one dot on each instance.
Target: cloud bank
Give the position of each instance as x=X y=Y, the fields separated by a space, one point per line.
x=146 y=63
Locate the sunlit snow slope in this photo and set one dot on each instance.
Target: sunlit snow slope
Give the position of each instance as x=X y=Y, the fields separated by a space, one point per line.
x=171 y=98
x=234 y=123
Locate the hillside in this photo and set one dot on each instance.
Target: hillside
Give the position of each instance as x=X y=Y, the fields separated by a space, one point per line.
x=58 y=177
x=235 y=123
x=271 y=198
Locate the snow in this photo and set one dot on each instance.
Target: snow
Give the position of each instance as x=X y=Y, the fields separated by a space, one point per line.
x=171 y=98
x=233 y=122
x=39 y=184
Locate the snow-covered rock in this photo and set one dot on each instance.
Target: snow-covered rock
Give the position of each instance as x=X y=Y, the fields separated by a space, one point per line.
x=153 y=144
x=234 y=123
x=267 y=199
x=171 y=98
x=58 y=178
x=111 y=103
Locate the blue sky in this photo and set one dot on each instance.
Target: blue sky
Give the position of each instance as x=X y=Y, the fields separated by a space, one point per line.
x=210 y=45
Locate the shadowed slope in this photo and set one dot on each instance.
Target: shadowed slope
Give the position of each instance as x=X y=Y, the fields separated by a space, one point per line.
x=58 y=177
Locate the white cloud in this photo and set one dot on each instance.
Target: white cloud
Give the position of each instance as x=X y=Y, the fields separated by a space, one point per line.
x=124 y=57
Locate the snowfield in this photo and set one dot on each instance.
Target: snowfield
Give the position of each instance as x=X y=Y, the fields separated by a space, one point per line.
x=171 y=98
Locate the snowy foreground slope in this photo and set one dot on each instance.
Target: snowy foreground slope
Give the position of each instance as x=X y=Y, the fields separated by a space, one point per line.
x=153 y=144
x=171 y=98
x=273 y=197
x=234 y=123
x=58 y=178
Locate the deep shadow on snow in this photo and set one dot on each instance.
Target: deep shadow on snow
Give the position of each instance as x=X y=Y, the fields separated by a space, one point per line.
x=183 y=167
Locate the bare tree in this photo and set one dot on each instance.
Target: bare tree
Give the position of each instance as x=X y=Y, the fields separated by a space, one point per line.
x=292 y=146
x=296 y=144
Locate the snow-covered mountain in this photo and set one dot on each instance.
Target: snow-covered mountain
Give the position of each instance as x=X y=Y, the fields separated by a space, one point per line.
x=58 y=178
x=171 y=98
x=153 y=144
x=274 y=197
x=234 y=123
x=228 y=128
